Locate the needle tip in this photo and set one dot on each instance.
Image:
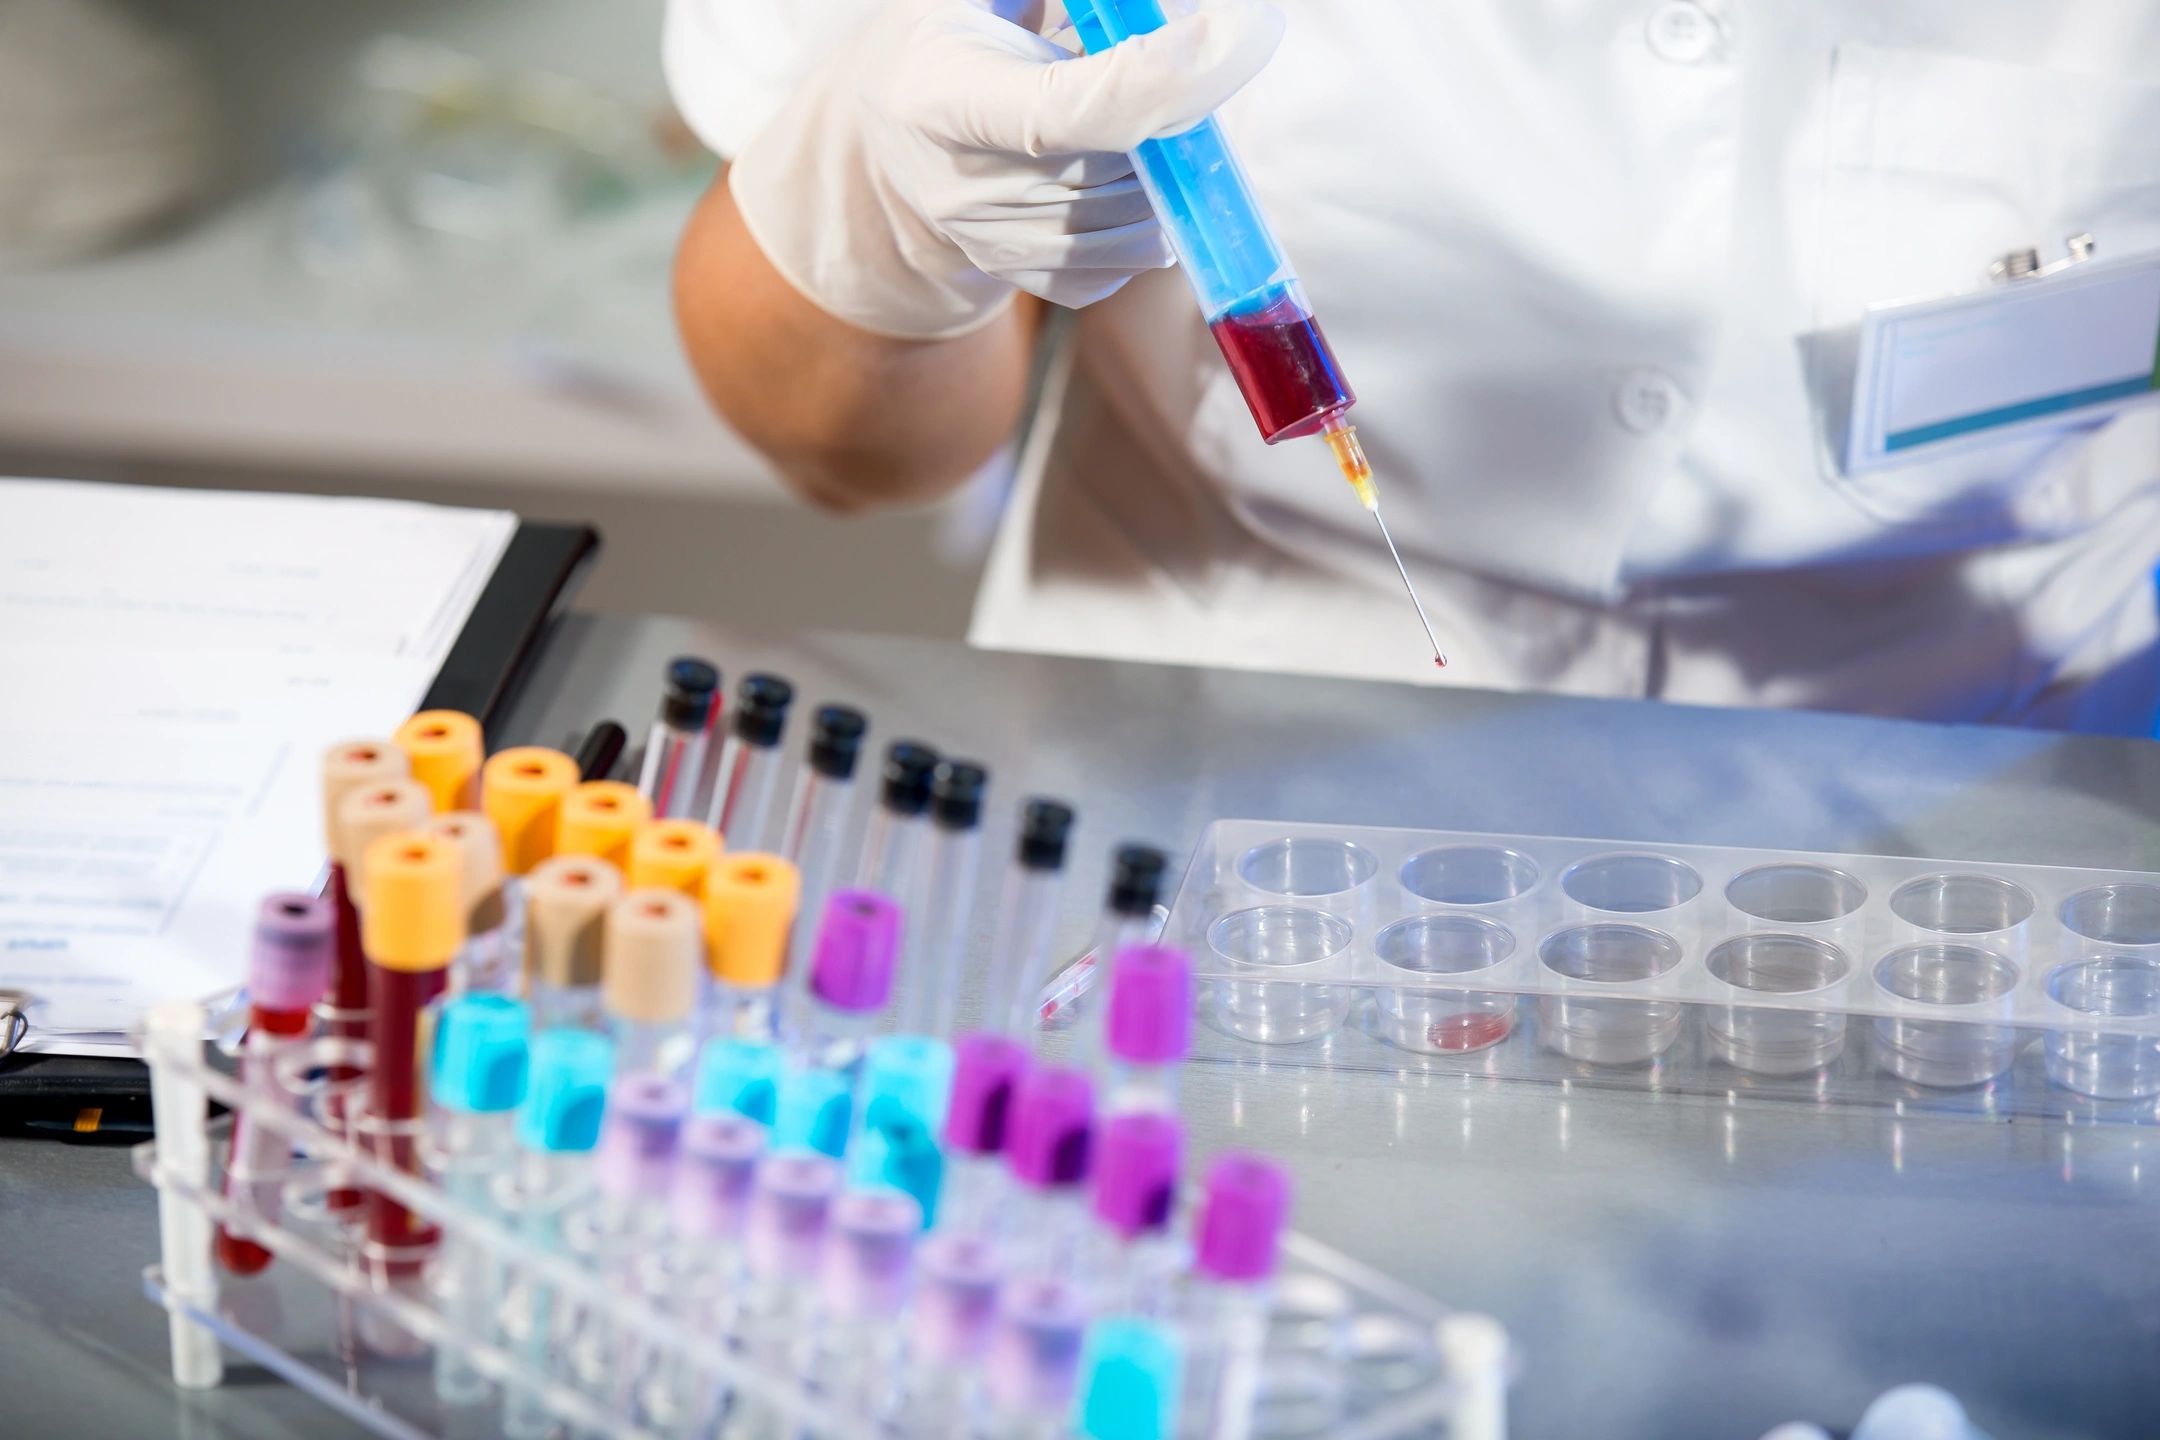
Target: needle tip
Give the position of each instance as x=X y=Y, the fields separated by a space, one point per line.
x=1439 y=662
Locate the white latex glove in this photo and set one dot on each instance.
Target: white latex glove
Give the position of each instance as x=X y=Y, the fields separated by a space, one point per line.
x=944 y=156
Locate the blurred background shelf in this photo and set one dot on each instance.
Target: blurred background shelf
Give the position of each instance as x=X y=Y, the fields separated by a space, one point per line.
x=285 y=333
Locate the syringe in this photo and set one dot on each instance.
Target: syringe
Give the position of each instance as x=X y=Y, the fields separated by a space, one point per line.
x=1254 y=305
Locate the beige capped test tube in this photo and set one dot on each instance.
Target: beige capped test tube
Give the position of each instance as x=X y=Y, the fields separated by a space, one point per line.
x=522 y=791
x=566 y=904
x=750 y=904
x=367 y=814
x=649 y=980
x=481 y=963
x=673 y=855
x=445 y=749
x=346 y=767
x=598 y=818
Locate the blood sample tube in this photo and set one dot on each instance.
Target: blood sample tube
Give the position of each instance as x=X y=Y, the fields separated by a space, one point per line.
x=1132 y=1258
x=599 y=818
x=986 y=1072
x=709 y=1204
x=851 y=979
x=675 y=747
x=1137 y=873
x=522 y=791
x=445 y=750
x=899 y=1111
x=1131 y=1373
x=1027 y=921
x=481 y=963
x=790 y=1215
x=750 y=908
x=1147 y=1029
x=288 y=971
x=1048 y=1144
x=673 y=855
x=893 y=842
x=935 y=950
x=566 y=903
x=868 y=1269
x=347 y=766
x=478 y=1082
x=648 y=981
x=742 y=807
x=818 y=825
x=412 y=921
x=1235 y=1248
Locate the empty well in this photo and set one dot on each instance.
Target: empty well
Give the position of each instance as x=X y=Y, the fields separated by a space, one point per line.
x=1469 y=875
x=2124 y=914
x=1962 y=904
x=1279 y=946
x=1946 y=1052
x=2091 y=1062
x=1631 y=883
x=1441 y=1018
x=1602 y=1031
x=1795 y=894
x=1770 y=1041
x=1307 y=866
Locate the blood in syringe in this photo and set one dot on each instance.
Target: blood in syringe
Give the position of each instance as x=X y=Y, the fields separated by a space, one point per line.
x=1283 y=367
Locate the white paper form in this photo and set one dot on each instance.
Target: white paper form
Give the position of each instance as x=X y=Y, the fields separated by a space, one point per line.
x=172 y=665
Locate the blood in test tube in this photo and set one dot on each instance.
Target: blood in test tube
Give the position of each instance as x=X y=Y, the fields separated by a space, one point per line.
x=1289 y=377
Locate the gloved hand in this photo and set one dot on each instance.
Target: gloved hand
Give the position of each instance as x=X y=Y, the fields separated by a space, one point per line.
x=945 y=156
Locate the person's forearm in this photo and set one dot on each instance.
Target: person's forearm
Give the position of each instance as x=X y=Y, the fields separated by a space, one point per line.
x=851 y=419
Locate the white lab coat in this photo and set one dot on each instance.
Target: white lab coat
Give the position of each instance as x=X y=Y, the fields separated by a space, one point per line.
x=1579 y=258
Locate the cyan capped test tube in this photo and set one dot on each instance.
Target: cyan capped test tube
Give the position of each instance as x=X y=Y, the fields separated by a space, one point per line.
x=1238 y=272
x=907 y=1082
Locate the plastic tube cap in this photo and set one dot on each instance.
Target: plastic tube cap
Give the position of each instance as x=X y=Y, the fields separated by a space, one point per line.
x=956 y=1312
x=905 y=789
x=1045 y=827
x=479 y=865
x=566 y=903
x=1246 y=1200
x=788 y=1212
x=369 y=812
x=565 y=1091
x=649 y=963
x=1037 y=1353
x=289 y=968
x=522 y=791
x=857 y=946
x=986 y=1068
x=906 y=1082
x=1151 y=1005
x=1137 y=1157
x=750 y=902
x=598 y=818
x=673 y=855
x=761 y=706
x=1136 y=879
x=348 y=765
x=870 y=1254
x=692 y=686
x=714 y=1174
x=480 y=1060
x=640 y=1134
x=956 y=794
x=445 y=750
x=412 y=911
x=1047 y=1139
x=1131 y=1371
x=740 y=1077
x=836 y=736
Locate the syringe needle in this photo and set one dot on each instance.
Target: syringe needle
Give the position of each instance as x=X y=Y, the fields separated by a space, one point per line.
x=1342 y=439
x=1439 y=656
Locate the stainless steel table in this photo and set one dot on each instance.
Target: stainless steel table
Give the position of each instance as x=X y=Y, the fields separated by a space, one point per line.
x=1671 y=1267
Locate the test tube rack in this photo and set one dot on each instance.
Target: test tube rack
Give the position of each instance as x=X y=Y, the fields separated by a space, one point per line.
x=1350 y=1354
x=1934 y=986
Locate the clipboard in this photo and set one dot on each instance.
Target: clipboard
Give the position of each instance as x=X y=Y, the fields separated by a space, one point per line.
x=91 y=1097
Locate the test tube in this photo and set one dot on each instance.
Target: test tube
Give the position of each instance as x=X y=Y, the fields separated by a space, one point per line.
x=348 y=766
x=445 y=750
x=1244 y=1203
x=952 y=1327
x=600 y=818
x=790 y=1213
x=868 y=1279
x=288 y=971
x=557 y=1126
x=566 y=905
x=412 y=921
x=1137 y=873
x=945 y=897
x=740 y=1076
x=639 y=1140
x=522 y=791
x=1048 y=1140
x=986 y=1072
x=481 y=964
x=851 y=979
x=894 y=838
x=900 y=1108
x=1137 y=1158
x=1034 y=1359
x=750 y=907
x=750 y=765
x=675 y=747
x=648 y=981
x=1147 y=1028
x=709 y=1202
x=673 y=855
x=1027 y=920
x=1131 y=1373
x=478 y=1081
x=172 y=1043
x=818 y=823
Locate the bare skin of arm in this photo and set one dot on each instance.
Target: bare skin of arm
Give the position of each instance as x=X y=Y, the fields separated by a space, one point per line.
x=851 y=419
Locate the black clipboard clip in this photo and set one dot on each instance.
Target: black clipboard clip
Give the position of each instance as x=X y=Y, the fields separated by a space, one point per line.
x=14 y=1019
